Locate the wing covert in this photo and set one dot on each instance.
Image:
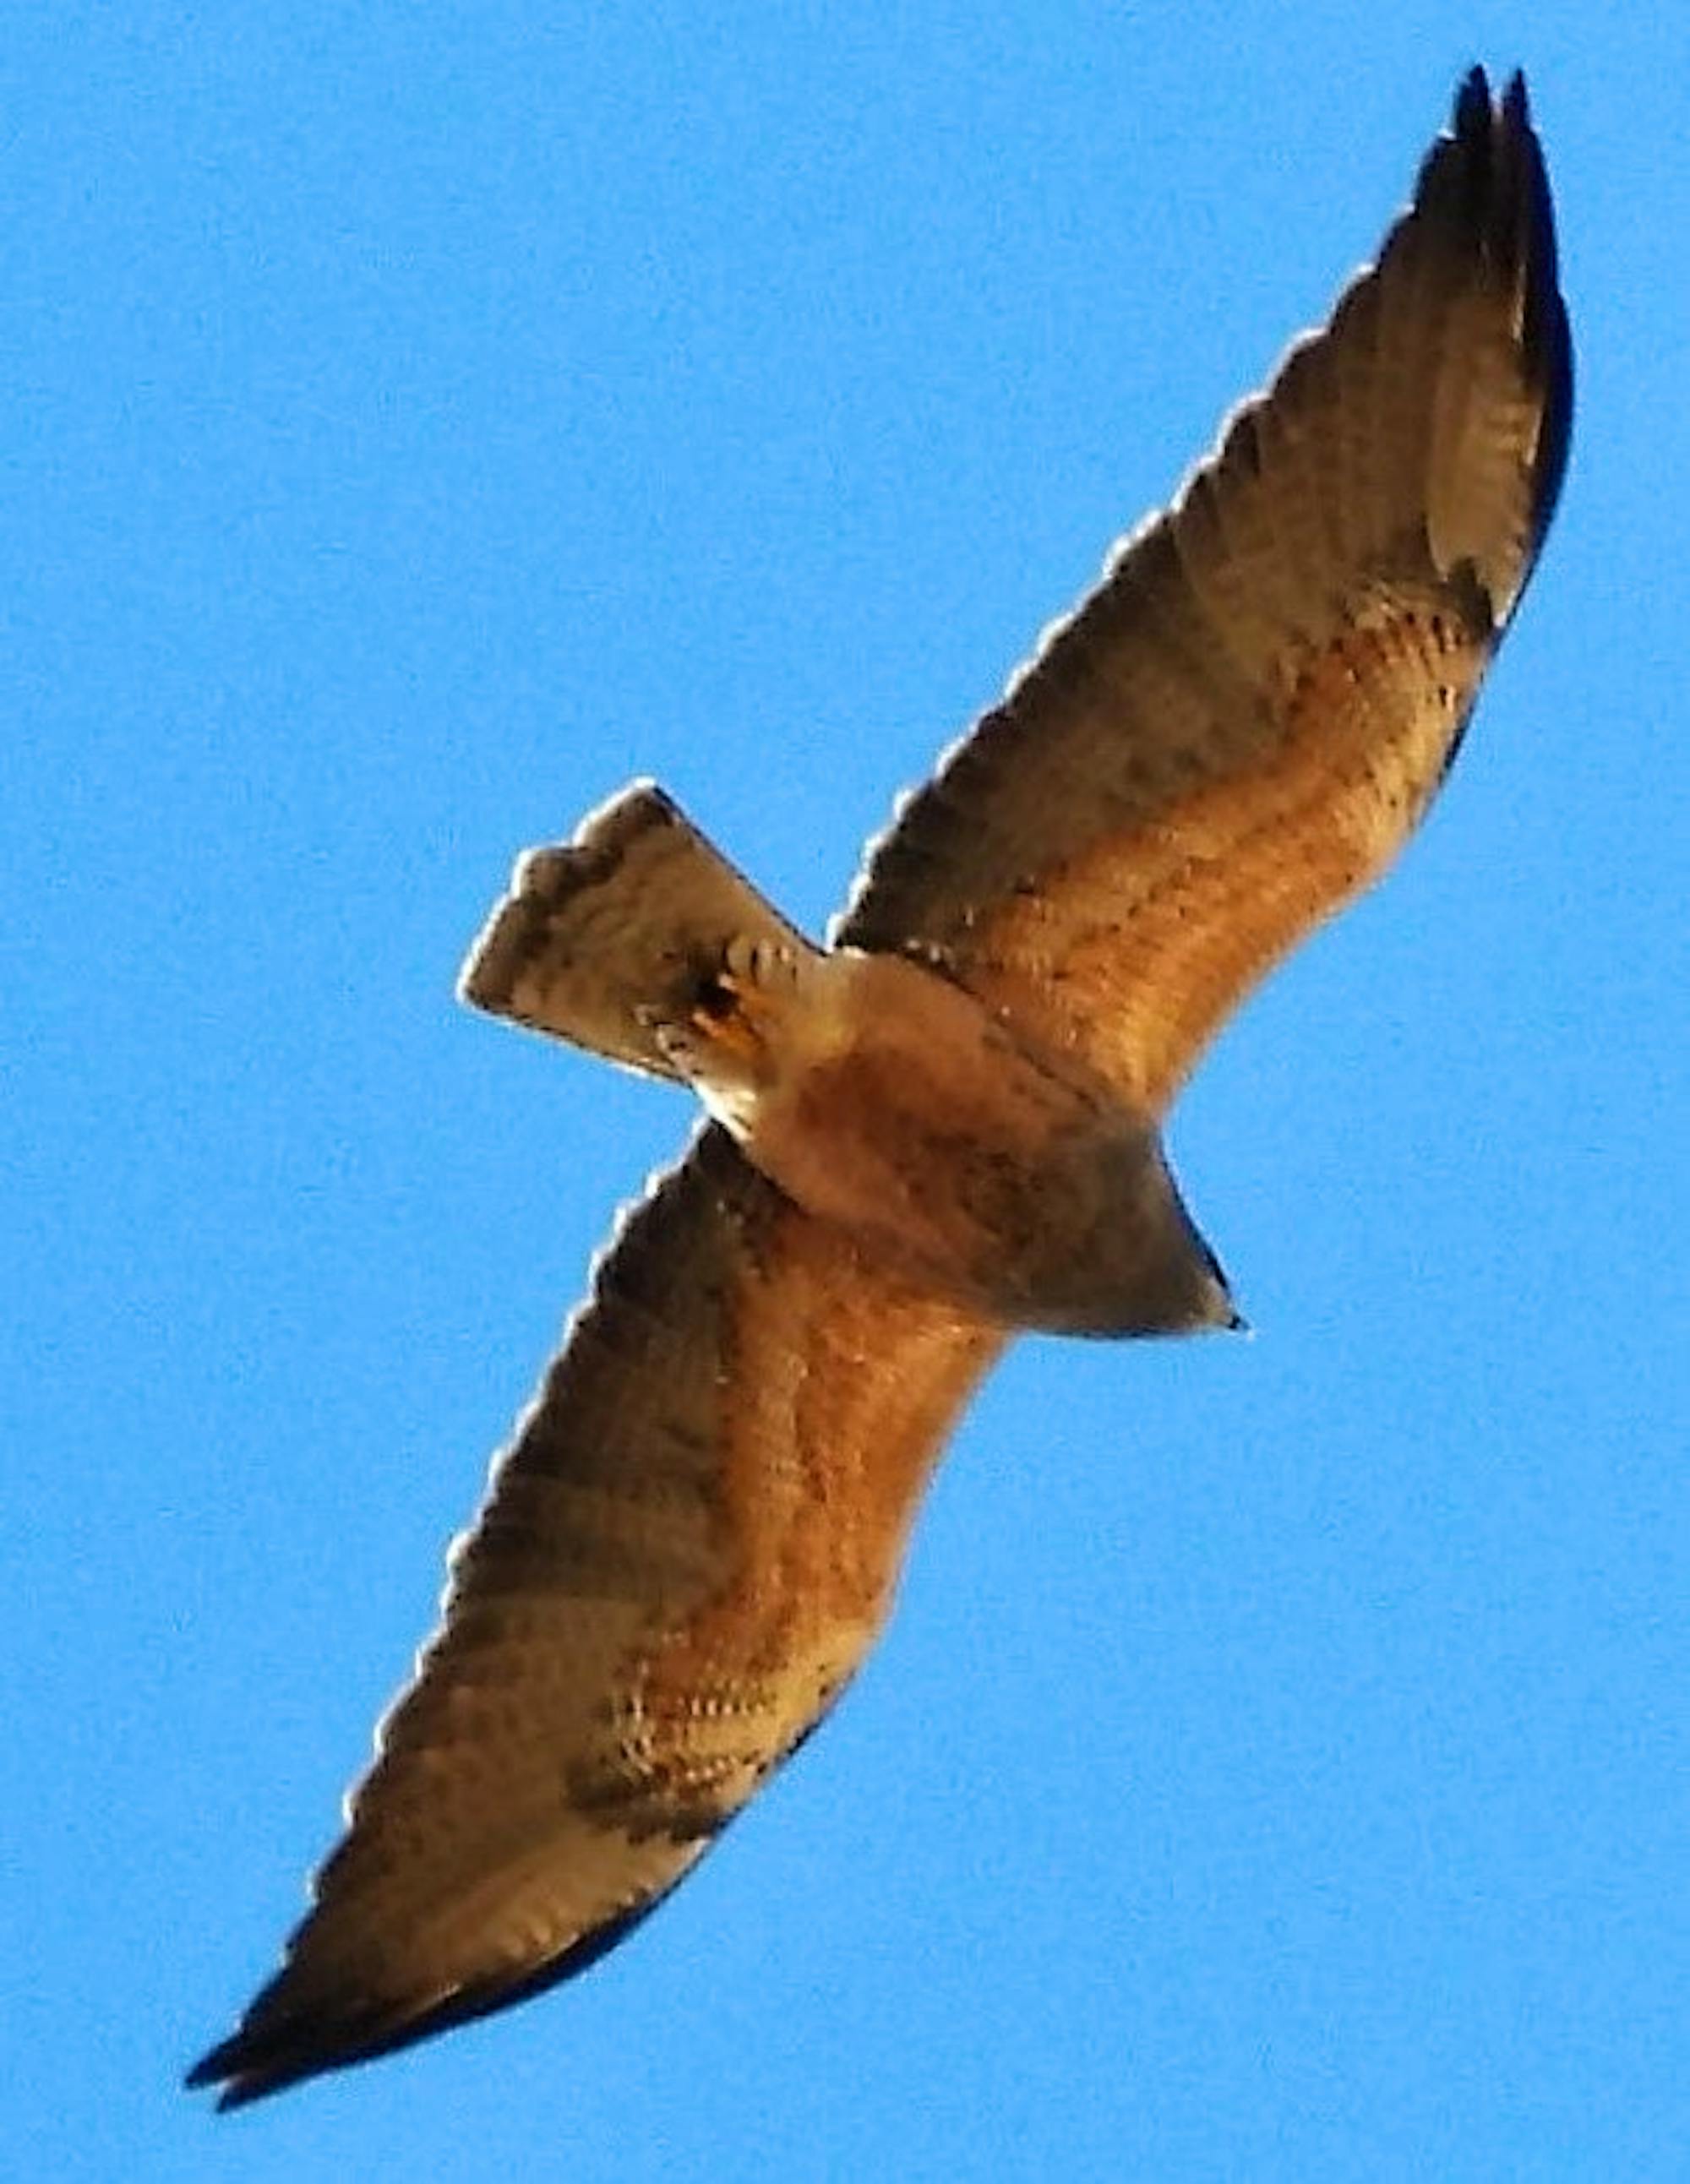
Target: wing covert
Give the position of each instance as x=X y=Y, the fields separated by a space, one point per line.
x=693 y=1536
x=684 y=1552
x=1239 y=728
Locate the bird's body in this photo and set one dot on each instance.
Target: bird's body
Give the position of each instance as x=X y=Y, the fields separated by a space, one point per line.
x=941 y=1129
x=997 y=1171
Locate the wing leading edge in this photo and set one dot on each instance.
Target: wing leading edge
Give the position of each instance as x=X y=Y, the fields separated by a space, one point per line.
x=695 y=1536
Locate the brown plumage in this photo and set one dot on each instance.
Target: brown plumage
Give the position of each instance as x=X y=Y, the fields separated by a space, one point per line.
x=941 y=1129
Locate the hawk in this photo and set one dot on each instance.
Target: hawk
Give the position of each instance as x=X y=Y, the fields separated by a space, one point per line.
x=940 y=1128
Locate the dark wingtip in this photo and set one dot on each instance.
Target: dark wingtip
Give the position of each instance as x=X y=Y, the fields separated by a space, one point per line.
x=277 y=2046
x=270 y=2052
x=1472 y=114
x=237 y=2067
x=1488 y=172
x=262 y=2058
x=1547 y=332
x=1507 y=168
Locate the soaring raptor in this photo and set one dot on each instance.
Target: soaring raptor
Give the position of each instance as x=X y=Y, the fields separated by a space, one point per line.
x=938 y=1128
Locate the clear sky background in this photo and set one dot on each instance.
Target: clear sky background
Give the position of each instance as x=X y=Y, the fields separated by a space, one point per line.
x=418 y=419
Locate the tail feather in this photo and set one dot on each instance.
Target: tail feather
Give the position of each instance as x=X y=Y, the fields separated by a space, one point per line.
x=604 y=939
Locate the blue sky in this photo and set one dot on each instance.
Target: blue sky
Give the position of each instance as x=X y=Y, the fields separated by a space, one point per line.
x=422 y=418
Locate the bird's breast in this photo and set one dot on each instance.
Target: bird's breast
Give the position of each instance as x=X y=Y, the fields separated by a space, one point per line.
x=989 y=1172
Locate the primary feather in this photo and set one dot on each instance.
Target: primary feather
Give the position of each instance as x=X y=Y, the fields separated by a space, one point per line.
x=694 y=1536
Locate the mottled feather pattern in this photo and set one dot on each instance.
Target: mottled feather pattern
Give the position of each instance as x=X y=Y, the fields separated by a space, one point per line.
x=1160 y=748
x=696 y=1534
x=569 y=943
x=672 y=1581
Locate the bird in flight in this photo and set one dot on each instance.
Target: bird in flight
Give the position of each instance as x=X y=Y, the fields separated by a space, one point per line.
x=940 y=1128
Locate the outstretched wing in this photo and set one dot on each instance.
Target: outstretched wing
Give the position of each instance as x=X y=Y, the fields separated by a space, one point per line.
x=684 y=1553
x=1237 y=731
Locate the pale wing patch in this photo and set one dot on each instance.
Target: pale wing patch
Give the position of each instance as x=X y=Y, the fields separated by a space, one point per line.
x=1402 y=468
x=844 y=1385
x=688 y=1547
x=1141 y=945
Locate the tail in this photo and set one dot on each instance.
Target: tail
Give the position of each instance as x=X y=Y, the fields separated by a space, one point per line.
x=604 y=940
